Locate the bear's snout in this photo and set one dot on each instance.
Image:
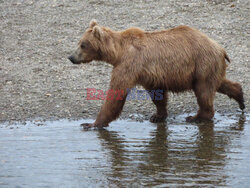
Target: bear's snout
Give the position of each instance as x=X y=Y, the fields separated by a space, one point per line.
x=73 y=59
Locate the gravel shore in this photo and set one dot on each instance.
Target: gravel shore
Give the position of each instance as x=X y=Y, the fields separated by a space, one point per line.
x=38 y=82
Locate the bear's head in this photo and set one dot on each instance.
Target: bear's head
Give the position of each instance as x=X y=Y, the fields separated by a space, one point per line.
x=90 y=46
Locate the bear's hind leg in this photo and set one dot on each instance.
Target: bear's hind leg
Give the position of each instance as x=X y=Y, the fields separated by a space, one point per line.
x=232 y=90
x=205 y=98
x=161 y=106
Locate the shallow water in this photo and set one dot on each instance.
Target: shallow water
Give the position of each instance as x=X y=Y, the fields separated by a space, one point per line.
x=127 y=154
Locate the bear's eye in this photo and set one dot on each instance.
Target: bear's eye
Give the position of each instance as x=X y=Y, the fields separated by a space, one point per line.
x=83 y=45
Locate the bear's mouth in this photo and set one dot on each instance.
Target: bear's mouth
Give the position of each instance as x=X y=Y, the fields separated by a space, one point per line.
x=85 y=61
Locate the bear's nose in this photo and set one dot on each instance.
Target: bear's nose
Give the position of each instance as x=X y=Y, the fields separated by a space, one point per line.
x=72 y=59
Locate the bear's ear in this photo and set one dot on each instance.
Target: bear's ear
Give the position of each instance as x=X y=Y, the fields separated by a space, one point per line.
x=97 y=32
x=92 y=23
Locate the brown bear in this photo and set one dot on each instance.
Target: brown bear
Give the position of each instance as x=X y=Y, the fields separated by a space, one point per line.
x=176 y=60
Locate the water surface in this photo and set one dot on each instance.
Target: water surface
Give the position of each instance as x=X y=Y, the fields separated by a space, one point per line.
x=127 y=154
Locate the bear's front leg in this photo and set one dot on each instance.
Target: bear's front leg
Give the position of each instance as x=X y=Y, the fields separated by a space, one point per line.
x=115 y=99
x=110 y=110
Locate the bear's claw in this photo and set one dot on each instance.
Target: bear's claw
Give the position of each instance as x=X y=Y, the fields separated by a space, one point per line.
x=192 y=119
x=197 y=119
x=242 y=106
x=87 y=126
x=157 y=118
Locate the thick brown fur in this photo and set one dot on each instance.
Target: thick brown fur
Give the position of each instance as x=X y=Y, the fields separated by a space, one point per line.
x=175 y=60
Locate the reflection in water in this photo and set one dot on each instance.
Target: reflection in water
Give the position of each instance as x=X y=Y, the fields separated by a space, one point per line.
x=117 y=150
x=127 y=154
x=175 y=154
x=240 y=124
